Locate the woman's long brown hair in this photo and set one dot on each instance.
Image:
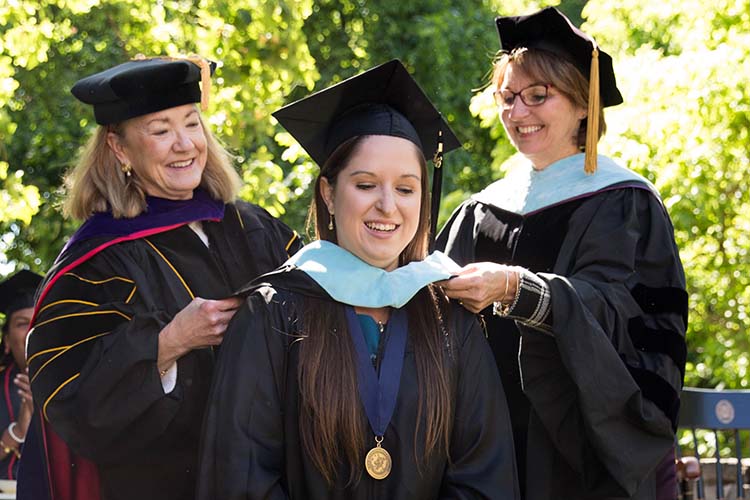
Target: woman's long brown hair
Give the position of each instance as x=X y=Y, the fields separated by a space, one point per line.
x=332 y=425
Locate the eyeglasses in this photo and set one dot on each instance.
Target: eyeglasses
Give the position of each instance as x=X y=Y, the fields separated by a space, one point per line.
x=533 y=95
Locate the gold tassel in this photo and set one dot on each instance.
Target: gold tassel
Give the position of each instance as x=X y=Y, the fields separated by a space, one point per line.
x=206 y=78
x=437 y=158
x=592 y=129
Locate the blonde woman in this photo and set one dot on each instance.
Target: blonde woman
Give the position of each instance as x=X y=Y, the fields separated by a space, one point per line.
x=122 y=347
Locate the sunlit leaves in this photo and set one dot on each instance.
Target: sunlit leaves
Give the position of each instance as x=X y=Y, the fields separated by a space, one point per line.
x=47 y=45
x=684 y=68
x=17 y=201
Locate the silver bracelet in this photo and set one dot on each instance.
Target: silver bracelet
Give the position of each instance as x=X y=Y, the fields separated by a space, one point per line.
x=12 y=433
x=501 y=309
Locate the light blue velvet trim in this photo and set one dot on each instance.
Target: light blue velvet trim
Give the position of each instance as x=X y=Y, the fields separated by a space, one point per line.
x=352 y=281
x=525 y=190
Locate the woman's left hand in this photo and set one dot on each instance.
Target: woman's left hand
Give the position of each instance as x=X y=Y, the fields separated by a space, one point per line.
x=480 y=284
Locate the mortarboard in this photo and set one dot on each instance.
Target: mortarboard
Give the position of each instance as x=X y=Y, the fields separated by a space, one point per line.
x=143 y=86
x=384 y=100
x=17 y=292
x=549 y=29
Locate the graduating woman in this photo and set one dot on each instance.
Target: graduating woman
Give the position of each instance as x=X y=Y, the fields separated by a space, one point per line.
x=572 y=259
x=122 y=346
x=346 y=374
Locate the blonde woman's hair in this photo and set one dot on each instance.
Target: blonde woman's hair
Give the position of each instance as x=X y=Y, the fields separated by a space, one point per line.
x=544 y=66
x=97 y=183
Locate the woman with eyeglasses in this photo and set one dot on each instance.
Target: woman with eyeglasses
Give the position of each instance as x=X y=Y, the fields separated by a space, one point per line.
x=572 y=261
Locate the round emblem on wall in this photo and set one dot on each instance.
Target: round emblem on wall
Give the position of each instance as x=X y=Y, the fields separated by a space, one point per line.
x=724 y=411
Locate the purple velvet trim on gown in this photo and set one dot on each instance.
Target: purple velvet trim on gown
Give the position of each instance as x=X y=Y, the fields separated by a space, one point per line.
x=159 y=212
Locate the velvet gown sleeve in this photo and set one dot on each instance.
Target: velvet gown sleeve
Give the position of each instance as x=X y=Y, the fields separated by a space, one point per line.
x=482 y=461
x=242 y=452
x=605 y=385
x=92 y=359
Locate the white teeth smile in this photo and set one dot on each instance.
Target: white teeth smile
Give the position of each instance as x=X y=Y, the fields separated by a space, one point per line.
x=180 y=164
x=381 y=227
x=529 y=130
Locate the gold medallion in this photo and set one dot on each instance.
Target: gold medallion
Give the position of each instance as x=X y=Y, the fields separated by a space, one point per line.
x=378 y=461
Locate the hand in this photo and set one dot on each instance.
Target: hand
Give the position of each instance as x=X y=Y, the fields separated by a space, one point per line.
x=480 y=284
x=201 y=323
x=27 y=404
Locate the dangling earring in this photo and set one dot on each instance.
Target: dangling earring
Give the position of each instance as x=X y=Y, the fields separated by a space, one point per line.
x=330 y=222
x=126 y=168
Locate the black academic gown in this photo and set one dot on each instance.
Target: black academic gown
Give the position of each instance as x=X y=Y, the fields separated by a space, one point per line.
x=252 y=447
x=594 y=404
x=94 y=345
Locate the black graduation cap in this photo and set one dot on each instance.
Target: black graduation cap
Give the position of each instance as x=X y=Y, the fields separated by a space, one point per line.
x=384 y=100
x=549 y=29
x=17 y=292
x=143 y=86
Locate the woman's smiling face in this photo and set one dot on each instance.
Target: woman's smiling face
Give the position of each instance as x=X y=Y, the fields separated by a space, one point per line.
x=545 y=133
x=167 y=150
x=376 y=200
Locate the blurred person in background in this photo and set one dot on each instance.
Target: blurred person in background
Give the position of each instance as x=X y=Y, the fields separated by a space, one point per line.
x=16 y=403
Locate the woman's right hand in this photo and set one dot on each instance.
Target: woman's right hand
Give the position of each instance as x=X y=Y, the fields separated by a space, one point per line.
x=201 y=323
x=478 y=285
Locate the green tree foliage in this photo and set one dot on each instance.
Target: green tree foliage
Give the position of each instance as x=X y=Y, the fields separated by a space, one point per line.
x=685 y=70
x=46 y=46
x=266 y=51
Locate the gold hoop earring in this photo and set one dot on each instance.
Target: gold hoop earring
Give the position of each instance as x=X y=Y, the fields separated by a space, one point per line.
x=127 y=169
x=330 y=222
